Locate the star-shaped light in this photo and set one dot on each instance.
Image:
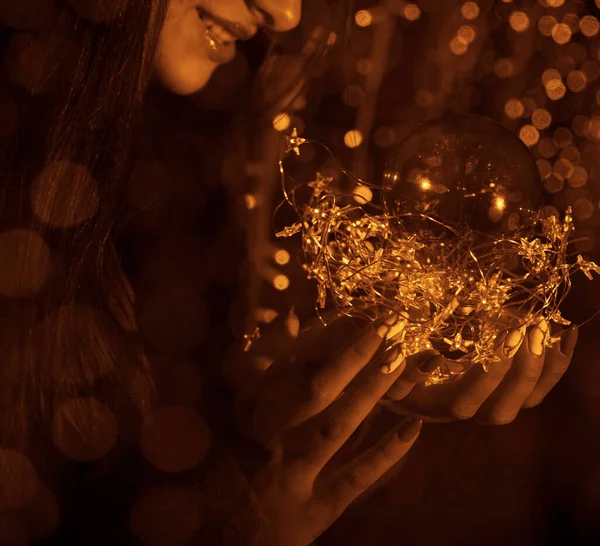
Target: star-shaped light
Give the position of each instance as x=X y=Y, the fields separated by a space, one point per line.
x=293 y=142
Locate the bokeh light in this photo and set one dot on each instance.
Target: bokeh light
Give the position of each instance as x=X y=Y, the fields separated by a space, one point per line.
x=470 y=11
x=519 y=21
x=353 y=138
x=541 y=119
x=529 y=135
x=561 y=33
x=514 y=108
x=363 y=18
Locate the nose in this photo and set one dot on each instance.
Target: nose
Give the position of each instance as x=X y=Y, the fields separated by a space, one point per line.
x=280 y=15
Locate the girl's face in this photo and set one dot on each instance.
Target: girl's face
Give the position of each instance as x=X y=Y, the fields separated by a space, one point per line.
x=199 y=35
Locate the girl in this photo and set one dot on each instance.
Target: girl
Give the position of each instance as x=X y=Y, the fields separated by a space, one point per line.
x=123 y=242
x=103 y=438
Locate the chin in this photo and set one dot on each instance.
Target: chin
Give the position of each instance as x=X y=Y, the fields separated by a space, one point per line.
x=184 y=78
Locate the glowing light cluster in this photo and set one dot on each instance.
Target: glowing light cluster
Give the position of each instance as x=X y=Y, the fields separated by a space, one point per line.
x=443 y=293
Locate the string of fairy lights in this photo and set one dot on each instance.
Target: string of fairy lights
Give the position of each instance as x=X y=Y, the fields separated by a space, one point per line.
x=545 y=82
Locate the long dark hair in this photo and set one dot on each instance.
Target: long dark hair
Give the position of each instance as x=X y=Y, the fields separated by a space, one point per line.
x=68 y=327
x=66 y=304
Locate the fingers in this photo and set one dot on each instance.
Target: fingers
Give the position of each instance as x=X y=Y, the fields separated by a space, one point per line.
x=359 y=475
x=477 y=384
x=556 y=364
x=277 y=338
x=329 y=381
x=462 y=397
x=336 y=425
x=293 y=397
x=244 y=370
x=504 y=404
x=418 y=369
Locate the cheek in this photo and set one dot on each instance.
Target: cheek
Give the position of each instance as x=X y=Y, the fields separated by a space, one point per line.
x=181 y=63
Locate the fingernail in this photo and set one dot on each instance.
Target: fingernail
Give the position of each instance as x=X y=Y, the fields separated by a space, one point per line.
x=390 y=326
x=292 y=323
x=537 y=337
x=384 y=326
x=513 y=342
x=392 y=360
x=568 y=340
x=409 y=430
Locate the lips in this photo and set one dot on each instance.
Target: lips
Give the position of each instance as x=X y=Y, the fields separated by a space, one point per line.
x=220 y=35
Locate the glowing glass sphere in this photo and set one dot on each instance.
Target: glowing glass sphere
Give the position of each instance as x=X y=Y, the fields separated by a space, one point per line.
x=466 y=172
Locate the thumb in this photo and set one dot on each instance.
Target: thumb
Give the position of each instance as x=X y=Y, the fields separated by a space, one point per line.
x=275 y=339
x=244 y=369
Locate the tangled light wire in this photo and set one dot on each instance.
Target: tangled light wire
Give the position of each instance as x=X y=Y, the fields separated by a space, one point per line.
x=457 y=292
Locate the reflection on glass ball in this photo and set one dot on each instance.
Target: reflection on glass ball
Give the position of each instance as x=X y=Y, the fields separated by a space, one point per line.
x=467 y=172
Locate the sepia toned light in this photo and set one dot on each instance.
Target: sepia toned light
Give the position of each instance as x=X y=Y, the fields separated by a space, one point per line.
x=466 y=33
x=555 y=3
x=250 y=201
x=529 y=135
x=589 y=26
x=563 y=168
x=583 y=209
x=281 y=282
x=412 y=12
x=571 y=153
x=458 y=46
x=545 y=168
x=514 y=108
x=519 y=21
x=377 y=250
x=541 y=119
x=470 y=11
x=579 y=177
x=281 y=122
x=581 y=125
x=363 y=18
x=572 y=21
x=594 y=129
x=353 y=138
x=555 y=89
x=561 y=33
x=282 y=257
x=546 y=24
x=499 y=203
x=362 y=194
x=576 y=81
x=550 y=74
x=265 y=315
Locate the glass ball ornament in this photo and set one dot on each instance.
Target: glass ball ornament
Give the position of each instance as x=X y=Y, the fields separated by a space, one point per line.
x=461 y=185
x=465 y=171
